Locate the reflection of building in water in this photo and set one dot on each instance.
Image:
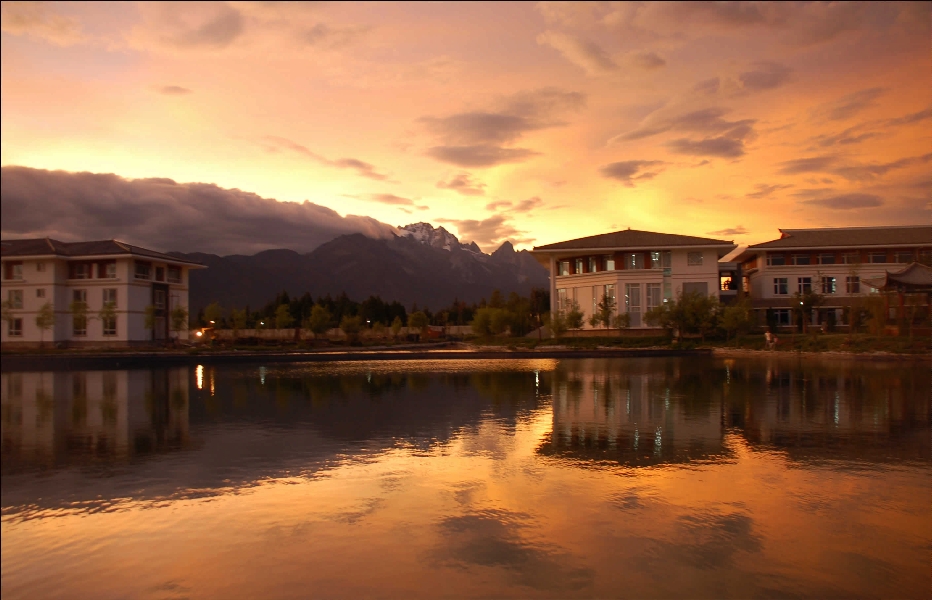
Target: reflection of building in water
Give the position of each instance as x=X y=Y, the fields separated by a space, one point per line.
x=634 y=418
x=54 y=417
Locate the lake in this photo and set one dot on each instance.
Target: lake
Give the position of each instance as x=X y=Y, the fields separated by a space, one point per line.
x=648 y=478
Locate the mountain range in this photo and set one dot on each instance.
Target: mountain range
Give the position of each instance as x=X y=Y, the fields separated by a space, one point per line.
x=421 y=265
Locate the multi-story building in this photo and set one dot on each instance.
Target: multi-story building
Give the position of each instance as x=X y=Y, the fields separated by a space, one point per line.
x=830 y=262
x=638 y=269
x=52 y=277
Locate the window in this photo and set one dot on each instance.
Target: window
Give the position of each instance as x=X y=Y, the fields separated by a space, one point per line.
x=828 y=285
x=609 y=262
x=579 y=266
x=13 y=270
x=107 y=270
x=15 y=328
x=174 y=274
x=826 y=259
x=925 y=257
x=79 y=312
x=667 y=259
x=653 y=295
x=633 y=303
x=634 y=260
x=903 y=257
x=109 y=325
x=142 y=270
x=877 y=257
x=16 y=298
x=851 y=258
x=780 y=286
x=40 y=267
x=561 y=297
x=801 y=259
x=776 y=260
x=696 y=287
x=655 y=260
x=564 y=267
x=804 y=285
x=694 y=259
x=609 y=292
x=40 y=293
x=596 y=298
x=667 y=291
x=593 y=265
x=853 y=285
x=160 y=273
x=80 y=271
x=110 y=296
x=782 y=317
x=158 y=298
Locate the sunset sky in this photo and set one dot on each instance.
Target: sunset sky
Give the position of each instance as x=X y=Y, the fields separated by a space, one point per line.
x=533 y=123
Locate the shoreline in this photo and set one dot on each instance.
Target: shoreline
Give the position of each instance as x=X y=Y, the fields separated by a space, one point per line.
x=443 y=351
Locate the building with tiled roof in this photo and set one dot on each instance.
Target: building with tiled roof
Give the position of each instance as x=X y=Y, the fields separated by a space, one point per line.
x=116 y=282
x=637 y=269
x=831 y=262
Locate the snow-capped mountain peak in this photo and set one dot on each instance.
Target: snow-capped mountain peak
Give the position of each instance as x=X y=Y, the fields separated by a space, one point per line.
x=439 y=237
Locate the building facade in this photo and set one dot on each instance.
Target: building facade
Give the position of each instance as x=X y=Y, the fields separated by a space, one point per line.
x=833 y=263
x=116 y=282
x=638 y=269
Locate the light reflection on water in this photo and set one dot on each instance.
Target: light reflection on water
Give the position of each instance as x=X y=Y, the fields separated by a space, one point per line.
x=637 y=477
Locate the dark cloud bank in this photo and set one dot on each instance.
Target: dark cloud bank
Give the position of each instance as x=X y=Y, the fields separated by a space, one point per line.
x=164 y=215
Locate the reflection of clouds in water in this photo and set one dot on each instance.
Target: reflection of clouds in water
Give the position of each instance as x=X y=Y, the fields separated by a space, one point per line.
x=493 y=538
x=464 y=492
x=703 y=540
x=351 y=517
x=636 y=499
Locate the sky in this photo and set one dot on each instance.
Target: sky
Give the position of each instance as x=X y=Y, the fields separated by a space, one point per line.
x=240 y=126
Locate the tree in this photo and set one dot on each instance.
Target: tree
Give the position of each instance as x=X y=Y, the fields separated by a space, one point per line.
x=557 y=323
x=595 y=320
x=319 y=321
x=690 y=313
x=482 y=322
x=396 y=327
x=621 y=321
x=107 y=316
x=45 y=320
x=805 y=303
x=736 y=319
x=179 y=319
x=7 y=313
x=418 y=320
x=378 y=329
x=78 y=310
x=351 y=326
x=540 y=304
x=605 y=310
x=283 y=318
x=213 y=314
x=238 y=319
x=574 y=316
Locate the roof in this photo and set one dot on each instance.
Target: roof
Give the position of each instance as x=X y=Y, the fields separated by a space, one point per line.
x=633 y=238
x=850 y=237
x=48 y=246
x=912 y=277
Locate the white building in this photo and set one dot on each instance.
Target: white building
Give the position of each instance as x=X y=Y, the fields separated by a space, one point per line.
x=639 y=269
x=39 y=272
x=831 y=262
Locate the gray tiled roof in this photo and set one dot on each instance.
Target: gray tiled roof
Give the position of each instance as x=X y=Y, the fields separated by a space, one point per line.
x=851 y=237
x=46 y=246
x=633 y=238
x=913 y=275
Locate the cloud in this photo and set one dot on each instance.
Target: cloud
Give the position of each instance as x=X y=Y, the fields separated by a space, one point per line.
x=629 y=171
x=39 y=20
x=210 y=25
x=708 y=86
x=477 y=138
x=494 y=206
x=739 y=230
x=173 y=90
x=764 y=76
x=322 y=34
x=909 y=119
x=164 y=215
x=850 y=105
x=464 y=184
x=813 y=164
x=764 y=190
x=706 y=120
x=363 y=169
x=479 y=156
x=847 y=201
x=585 y=54
x=488 y=233
x=648 y=60
x=874 y=170
x=724 y=147
x=527 y=205
x=395 y=200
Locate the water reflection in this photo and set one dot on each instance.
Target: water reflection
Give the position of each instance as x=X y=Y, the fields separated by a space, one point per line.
x=645 y=477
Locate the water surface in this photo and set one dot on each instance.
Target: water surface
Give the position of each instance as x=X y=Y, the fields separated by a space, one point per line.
x=571 y=478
